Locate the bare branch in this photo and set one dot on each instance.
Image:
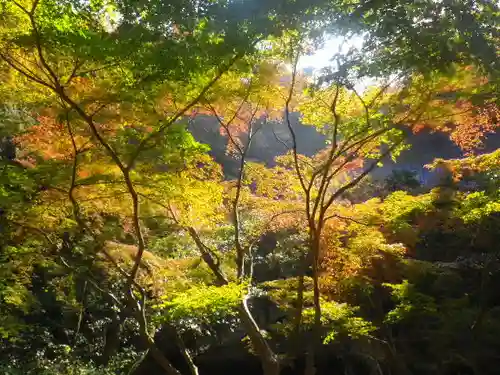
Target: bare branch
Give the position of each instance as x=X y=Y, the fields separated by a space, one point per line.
x=289 y=124
x=346 y=218
x=287 y=147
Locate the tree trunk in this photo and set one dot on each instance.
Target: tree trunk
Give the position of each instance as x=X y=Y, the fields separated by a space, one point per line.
x=193 y=369
x=161 y=360
x=316 y=330
x=155 y=352
x=269 y=361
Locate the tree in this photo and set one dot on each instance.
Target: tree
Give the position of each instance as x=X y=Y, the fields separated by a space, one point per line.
x=423 y=37
x=112 y=88
x=245 y=106
x=360 y=126
x=402 y=180
x=106 y=166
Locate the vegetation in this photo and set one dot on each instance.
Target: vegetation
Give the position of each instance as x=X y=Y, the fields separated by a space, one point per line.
x=125 y=249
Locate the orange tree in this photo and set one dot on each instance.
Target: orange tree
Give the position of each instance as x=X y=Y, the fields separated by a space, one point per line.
x=365 y=126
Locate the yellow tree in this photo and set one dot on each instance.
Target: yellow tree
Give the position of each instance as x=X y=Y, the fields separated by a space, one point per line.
x=242 y=106
x=364 y=127
x=113 y=98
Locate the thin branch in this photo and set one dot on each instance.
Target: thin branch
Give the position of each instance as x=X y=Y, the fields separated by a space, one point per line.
x=226 y=128
x=362 y=175
x=360 y=144
x=240 y=251
x=355 y=181
x=185 y=353
x=270 y=220
x=235 y=114
x=99 y=109
x=114 y=195
x=382 y=90
x=80 y=314
x=96 y=69
x=33 y=229
x=287 y=147
x=193 y=102
x=38 y=45
x=208 y=255
x=94 y=283
x=76 y=206
x=348 y=219
x=333 y=108
x=24 y=71
x=138 y=362
x=72 y=75
x=289 y=124
x=74 y=203
x=365 y=106
x=22 y=7
x=331 y=156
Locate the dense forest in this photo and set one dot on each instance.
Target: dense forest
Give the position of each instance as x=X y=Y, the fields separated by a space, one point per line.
x=181 y=195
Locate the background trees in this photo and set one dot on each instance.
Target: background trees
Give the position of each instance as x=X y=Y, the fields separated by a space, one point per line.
x=124 y=249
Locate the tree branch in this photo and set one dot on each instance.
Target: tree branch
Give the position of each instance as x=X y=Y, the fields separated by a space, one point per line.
x=174 y=118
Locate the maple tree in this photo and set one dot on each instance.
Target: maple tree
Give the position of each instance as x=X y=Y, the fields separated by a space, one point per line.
x=100 y=125
x=118 y=223
x=368 y=125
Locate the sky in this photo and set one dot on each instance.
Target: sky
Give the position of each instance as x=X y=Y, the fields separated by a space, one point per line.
x=321 y=58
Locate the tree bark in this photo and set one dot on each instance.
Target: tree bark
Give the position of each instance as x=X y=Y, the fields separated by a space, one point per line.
x=269 y=360
x=316 y=330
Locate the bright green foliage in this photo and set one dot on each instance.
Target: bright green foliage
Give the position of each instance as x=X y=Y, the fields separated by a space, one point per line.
x=409 y=302
x=340 y=319
x=399 y=207
x=479 y=205
x=203 y=304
